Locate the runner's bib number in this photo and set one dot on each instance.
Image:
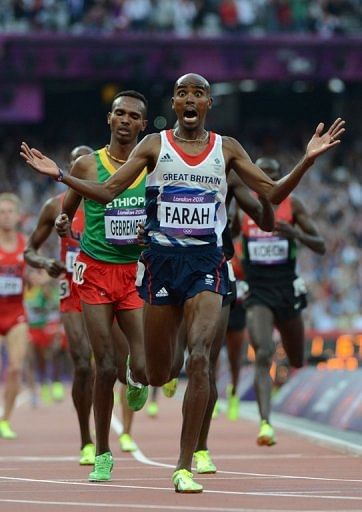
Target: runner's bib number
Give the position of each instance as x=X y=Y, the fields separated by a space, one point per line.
x=70 y=258
x=64 y=289
x=187 y=214
x=121 y=225
x=10 y=285
x=78 y=272
x=268 y=252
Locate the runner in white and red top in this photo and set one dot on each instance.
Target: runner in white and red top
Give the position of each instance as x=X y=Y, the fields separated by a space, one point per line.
x=185 y=208
x=13 y=325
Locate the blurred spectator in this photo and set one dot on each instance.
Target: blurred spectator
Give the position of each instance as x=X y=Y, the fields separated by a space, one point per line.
x=326 y=17
x=229 y=17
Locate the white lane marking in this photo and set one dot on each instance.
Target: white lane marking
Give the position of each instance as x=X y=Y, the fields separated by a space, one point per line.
x=292 y=477
x=148 y=507
x=280 y=494
x=139 y=456
x=228 y=457
x=117 y=426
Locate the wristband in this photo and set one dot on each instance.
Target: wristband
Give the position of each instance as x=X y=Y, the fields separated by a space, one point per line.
x=60 y=175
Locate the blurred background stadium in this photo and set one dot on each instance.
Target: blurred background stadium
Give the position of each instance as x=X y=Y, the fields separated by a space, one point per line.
x=278 y=67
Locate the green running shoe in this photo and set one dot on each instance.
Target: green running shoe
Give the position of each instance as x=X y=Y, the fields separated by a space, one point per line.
x=204 y=462
x=103 y=466
x=169 y=389
x=233 y=404
x=126 y=443
x=58 y=391
x=266 y=436
x=87 y=455
x=5 y=430
x=152 y=409
x=45 y=394
x=136 y=392
x=183 y=481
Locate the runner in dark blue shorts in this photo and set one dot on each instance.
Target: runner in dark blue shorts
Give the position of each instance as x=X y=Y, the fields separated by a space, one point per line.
x=185 y=206
x=171 y=276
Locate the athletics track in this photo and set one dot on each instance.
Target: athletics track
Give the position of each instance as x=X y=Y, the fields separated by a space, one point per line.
x=308 y=470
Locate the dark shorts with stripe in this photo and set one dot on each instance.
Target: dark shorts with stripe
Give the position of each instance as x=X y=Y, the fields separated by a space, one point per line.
x=171 y=275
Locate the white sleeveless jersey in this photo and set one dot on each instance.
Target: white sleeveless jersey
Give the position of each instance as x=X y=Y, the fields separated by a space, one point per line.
x=185 y=195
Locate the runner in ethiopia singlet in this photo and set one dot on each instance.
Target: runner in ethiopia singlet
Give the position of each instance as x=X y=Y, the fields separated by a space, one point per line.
x=110 y=232
x=110 y=238
x=185 y=205
x=12 y=266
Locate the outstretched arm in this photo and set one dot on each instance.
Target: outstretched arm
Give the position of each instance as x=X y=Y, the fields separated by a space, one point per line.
x=260 y=210
x=105 y=192
x=276 y=191
x=40 y=234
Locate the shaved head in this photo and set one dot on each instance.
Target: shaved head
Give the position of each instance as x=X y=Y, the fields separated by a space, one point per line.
x=268 y=163
x=270 y=166
x=192 y=79
x=79 y=151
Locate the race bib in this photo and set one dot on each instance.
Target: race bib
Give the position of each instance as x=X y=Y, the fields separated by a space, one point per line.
x=10 y=285
x=121 y=225
x=70 y=257
x=78 y=272
x=64 y=289
x=187 y=214
x=267 y=251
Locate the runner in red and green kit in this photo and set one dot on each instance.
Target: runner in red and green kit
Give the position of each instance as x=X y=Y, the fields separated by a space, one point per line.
x=111 y=230
x=105 y=270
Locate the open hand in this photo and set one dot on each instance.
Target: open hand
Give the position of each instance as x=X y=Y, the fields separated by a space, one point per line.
x=39 y=162
x=322 y=142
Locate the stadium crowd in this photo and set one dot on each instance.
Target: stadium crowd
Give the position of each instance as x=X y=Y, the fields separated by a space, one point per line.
x=182 y=17
x=332 y=192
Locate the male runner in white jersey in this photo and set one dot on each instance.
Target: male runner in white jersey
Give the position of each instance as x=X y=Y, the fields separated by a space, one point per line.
x=183 y=274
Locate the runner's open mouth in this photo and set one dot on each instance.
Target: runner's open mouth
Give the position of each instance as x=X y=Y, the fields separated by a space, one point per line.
x=191 y=113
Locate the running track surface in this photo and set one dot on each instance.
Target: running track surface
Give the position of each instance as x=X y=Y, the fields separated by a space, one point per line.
x=39 y=471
